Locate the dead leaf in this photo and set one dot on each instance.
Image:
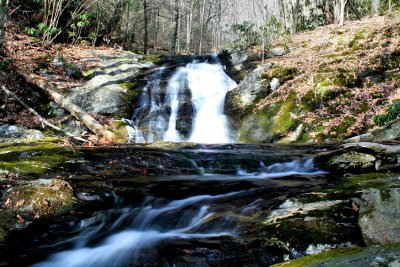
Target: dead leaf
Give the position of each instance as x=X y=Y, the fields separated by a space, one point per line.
x=20 y=219
x=9 y=203
x=19 y=203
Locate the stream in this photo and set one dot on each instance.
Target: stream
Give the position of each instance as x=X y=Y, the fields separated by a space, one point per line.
x=194 y=206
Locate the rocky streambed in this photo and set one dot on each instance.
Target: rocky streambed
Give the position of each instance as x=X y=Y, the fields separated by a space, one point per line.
x=186 y=204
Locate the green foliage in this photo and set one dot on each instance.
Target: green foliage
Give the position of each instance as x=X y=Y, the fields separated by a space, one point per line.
x=392 y=112
x=244 y=35
x=4 y=64
x=314 y=20
x=273 y=29
x=81 y=26
x=41 y=29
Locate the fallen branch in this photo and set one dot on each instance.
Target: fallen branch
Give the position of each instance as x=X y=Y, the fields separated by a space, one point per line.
x=43 y=120
x=75 y=111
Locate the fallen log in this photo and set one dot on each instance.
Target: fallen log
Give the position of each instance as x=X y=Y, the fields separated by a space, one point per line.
x=43 y=120
x=75 y=110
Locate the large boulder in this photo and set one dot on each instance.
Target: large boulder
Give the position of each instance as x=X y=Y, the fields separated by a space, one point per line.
x=105 y=93
x=253 y=87
x=40 y=198
x=379 y=217
x=16 y=132
x=362 y=157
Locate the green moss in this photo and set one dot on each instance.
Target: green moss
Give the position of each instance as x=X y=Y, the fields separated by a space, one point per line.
x=318 y=258
x=355 y=42
x=91 y=73
x=42 y=197
x=272 y=121
x=340 y=41
x=33 y=158
x=282 y=121
x=8 y=219
x=282 y=73
x=151 y=58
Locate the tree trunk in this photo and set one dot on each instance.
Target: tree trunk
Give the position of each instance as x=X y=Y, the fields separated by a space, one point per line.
x=75 y=111
x=176 y=28
x=390 y=6
x=342 y=11
x=296 y=11
x=146 y=32
x=201 y=27
x=375 y=4
x=3 y=21
x=264 y=15
x=116 y=18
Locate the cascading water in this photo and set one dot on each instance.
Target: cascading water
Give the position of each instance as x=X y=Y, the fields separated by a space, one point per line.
x=189 y=109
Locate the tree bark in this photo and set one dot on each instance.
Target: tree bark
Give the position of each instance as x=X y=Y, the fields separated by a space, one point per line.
x=342 y=11
x=296 y=11
x=146 y=30
x=375 y=4
x=176 y=28
x=75 y=111
x=201 y=27
x=3 y=21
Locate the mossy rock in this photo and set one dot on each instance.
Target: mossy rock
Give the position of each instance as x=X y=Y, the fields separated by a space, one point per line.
x=34 y=158
x=41 y=198
x=282 y=73
x=319 y=258
x=271 y=122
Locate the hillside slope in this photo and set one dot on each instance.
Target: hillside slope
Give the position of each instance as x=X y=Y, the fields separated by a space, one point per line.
x=334 y=84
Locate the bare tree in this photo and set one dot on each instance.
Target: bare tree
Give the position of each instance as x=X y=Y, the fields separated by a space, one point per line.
x=343 y=4
x=3 y=21
x=176 y=27
x=146 y=29
x=375 y=4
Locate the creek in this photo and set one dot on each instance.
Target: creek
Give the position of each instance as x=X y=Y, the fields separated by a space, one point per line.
x=192 y=204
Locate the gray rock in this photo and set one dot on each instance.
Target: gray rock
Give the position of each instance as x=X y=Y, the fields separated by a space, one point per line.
x=251 y=88
x=277 y=51
x=379 y=218
x=14 y=131
x=76 y=128
x=239 y=57
x=103 y=94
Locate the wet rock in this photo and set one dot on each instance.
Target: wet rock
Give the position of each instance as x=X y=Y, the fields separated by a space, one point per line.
x=40 y=198
x=380 y=216
x=13 y=131
x=303 y=228
x=186 y=112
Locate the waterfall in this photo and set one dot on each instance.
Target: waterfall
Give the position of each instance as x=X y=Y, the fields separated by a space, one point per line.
x=190 y=108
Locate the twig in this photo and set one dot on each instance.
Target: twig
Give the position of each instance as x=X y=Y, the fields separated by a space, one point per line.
x=43 y=120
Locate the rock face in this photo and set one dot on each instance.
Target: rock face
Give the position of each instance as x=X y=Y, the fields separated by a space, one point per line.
x=14 y=131
x=380 y=216
x=104 y=93
x=253 y=87
x=360 y=158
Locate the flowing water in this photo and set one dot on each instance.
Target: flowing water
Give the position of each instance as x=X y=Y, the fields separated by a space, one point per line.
x=188 y=108
x=200 y=205
x=201 y=218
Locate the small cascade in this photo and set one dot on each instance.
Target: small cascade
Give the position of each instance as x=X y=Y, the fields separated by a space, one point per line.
x=149 y=119
x=190 y=108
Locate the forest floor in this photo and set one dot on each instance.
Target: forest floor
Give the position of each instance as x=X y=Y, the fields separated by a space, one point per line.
x=341 y=77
